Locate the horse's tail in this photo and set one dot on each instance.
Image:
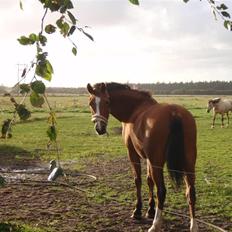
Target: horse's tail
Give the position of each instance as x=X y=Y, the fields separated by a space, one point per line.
x=175 y=151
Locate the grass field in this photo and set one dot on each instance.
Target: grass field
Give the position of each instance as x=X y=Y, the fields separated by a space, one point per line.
x=85 y=151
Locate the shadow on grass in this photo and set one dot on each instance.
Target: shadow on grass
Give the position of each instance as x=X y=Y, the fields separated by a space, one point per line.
x=14 y=157
x=7 y=227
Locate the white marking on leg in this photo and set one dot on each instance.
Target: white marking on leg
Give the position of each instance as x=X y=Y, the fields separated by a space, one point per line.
x=193 y=225
x=156 y=225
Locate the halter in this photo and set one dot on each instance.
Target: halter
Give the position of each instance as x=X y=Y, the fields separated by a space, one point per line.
x=97 y=117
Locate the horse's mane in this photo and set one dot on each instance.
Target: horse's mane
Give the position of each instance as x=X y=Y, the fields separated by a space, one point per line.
x=114 y=86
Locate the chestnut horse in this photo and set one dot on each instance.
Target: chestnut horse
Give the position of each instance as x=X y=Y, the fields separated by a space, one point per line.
x=156 y=132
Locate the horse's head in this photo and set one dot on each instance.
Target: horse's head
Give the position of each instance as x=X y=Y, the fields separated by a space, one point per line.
x=210 y=106
x=99 y=104
x=211 y=103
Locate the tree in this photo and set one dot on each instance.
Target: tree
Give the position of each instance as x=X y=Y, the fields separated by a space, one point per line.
x=220 y=10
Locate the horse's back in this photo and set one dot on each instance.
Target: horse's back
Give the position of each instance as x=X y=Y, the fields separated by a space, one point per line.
x=223 y=106
x=150 y=129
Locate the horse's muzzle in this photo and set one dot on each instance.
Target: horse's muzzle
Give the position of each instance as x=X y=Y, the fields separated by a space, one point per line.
x=100 y=124
x=100 y=127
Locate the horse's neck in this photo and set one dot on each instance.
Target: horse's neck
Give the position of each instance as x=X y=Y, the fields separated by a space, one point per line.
x=123 y=106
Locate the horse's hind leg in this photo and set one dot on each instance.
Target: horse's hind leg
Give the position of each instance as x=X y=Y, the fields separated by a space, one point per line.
x=222 y=126
x=151 y=210
x=191 y=198
x=228 y=119
x=157 y=175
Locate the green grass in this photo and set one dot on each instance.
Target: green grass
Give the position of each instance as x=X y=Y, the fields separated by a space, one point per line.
x=79 y=142
x=9 y=227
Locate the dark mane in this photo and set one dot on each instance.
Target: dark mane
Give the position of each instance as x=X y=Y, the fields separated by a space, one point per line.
x=113 y=86
x=116 y=86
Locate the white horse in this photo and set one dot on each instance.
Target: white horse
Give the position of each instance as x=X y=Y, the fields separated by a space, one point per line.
x=220 y=106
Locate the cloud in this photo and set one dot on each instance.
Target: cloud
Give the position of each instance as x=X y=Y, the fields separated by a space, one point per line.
x=157 y=41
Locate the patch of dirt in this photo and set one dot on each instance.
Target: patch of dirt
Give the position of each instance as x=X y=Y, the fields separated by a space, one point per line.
x=65 y=209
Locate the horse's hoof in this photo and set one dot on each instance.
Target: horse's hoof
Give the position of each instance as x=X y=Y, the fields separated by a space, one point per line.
x=212 y=127
x=150 y=214
x=193 y=226
x=137 y=215
x=155 y=228
x=222 y=126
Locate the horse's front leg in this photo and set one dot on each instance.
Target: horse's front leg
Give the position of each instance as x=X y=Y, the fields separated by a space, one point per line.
x=136 y=168
x=214 y=117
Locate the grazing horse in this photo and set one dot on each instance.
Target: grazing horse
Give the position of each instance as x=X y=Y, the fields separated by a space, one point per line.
x=156 y=132
x=219 y=106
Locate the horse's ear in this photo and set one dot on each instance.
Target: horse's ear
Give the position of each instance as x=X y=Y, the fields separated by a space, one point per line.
x=90 y=89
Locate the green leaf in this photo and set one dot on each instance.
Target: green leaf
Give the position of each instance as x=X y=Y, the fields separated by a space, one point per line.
x=24 y=40
x=72 y=29
x=227 y=25
x=88 y=35
x=72 y=18
x=52 y=118
x=222 y=7
x=24 y=72
x=74 y=51
x=36 y=100
x=59 y=22
x=33 y=37
x=135 y=2
x=21 y=5
x=225 y=14
x=42 y=39
x=23 y=113
x=24 y=88
x=68 y=4
x=185 y=1
x=50 y=29
x=42 y=56
x=49 y=67
x=47 y=76
x=65 y=29
x=38 y=87
x=52 y=133
x=44 y=69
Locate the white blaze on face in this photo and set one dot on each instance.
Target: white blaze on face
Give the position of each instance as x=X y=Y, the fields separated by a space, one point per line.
x=97 y=102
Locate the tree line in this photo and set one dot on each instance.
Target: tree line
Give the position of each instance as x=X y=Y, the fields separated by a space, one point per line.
x=189 y=88
x=159 y=88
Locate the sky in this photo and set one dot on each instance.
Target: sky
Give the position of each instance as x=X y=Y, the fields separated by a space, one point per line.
x=158 y=41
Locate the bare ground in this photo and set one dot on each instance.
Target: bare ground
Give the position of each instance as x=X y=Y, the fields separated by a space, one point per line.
x=63 y=209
